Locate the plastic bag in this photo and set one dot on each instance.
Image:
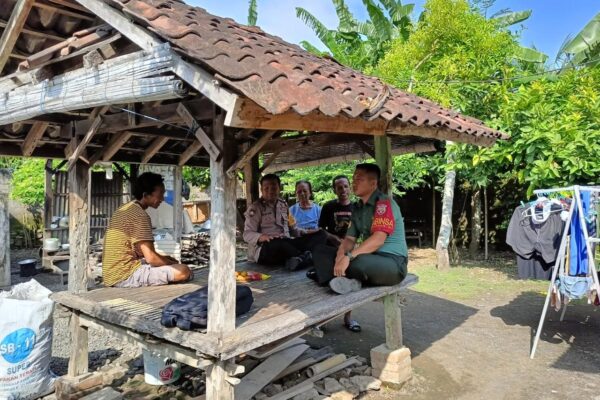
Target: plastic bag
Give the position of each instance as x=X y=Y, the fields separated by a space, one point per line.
x=26 y=342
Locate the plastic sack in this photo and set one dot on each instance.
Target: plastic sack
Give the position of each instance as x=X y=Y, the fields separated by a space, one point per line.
x=26 y=342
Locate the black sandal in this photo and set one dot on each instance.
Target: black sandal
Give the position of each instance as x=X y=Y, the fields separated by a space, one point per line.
x=353 y=326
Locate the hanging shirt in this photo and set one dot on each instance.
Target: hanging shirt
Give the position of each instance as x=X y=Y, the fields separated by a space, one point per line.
x=306 y=218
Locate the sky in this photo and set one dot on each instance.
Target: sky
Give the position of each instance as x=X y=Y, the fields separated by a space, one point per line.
x=550 y=23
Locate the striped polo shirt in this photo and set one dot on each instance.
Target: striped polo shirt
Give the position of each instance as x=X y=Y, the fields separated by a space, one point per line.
x=121 y=256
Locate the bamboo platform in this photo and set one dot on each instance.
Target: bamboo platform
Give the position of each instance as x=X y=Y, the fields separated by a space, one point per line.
x=286 y=304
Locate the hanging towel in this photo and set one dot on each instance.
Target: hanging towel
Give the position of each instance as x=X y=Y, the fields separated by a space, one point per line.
x=578 y=250
x=190 y=311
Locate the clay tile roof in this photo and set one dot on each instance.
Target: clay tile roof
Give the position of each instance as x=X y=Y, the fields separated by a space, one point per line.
x=280 y=76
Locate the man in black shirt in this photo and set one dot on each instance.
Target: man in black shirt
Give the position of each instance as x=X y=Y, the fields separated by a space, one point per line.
x=335 y=220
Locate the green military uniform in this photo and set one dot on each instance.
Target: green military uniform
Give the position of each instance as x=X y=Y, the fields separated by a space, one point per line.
x=386 y=266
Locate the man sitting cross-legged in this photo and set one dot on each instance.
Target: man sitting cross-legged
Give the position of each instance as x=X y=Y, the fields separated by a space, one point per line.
x=129 y=258
x=381 y=257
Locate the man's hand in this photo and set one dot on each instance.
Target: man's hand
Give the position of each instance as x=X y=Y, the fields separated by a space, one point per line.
x=264 y=238
x=341 y=265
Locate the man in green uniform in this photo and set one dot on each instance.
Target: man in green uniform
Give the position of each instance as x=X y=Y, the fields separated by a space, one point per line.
x=374 y=250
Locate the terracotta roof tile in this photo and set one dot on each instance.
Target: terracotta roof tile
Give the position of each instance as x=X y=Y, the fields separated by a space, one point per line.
x=280 y=76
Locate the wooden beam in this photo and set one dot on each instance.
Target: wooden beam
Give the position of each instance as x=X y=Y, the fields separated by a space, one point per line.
x=251 y=177
x=199 y=79
x=366 y=148
x=43 y=34
x=402 y=129
x=269 y=161
x=79 y=228
x=383 y=157
x=44 y=5
x=154 y=148
x=212 y=149
x=33 y=138
x=311 y=140
x=116 y=142
x=393 y=321
x=221 y=276
x=177 y=203
x=85 y=141
x=252 y=151
x=250 y=115
x=5 y=177
x=414 y=148
x=13 y=29
x=189 y=153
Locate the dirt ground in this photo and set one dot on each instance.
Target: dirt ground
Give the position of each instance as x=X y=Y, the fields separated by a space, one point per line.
x=478 y=348
x=469 y=331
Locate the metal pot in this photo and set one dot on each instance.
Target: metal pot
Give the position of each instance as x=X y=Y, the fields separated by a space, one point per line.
x=27 y=267
x=51 y=244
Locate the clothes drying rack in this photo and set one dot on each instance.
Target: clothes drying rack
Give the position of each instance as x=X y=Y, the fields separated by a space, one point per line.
x=560 y=259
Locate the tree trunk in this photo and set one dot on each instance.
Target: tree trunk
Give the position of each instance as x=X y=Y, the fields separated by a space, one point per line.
x=475 y=222
x=446 y=220
x=5 y=178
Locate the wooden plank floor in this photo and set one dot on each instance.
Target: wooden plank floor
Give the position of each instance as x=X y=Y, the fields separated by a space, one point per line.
x=284 y=304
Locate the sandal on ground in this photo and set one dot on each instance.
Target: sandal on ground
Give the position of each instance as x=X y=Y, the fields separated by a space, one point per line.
x=353 y=326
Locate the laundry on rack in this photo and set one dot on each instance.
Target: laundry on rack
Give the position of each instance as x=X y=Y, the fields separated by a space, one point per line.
x=578 y=258
x=535 y=240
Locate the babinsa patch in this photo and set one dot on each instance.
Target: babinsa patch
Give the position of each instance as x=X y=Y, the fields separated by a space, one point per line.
x=383 y=220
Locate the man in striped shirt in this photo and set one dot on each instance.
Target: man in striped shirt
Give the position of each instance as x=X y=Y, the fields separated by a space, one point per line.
x=129 y=258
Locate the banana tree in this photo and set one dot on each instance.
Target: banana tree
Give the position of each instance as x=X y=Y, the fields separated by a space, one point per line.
x=584 y=48
x=361 y=44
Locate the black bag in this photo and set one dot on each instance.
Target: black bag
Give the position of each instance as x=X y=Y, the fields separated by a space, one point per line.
x=190 y=311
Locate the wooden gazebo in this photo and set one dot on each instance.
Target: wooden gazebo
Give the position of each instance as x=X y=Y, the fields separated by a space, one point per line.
x=158 y=81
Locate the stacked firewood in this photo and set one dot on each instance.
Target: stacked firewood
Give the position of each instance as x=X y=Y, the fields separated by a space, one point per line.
x=195 y=249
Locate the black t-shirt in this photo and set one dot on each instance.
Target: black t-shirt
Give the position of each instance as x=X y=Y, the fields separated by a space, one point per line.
x=335 y=218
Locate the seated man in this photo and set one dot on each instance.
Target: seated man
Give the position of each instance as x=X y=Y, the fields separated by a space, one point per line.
x=129 y=259
x=381 y=257
x=269 y=235
x=335 y=220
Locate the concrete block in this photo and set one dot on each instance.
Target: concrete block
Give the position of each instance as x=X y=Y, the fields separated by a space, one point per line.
x=382 y=355
x=394 y=378
x=392 y=367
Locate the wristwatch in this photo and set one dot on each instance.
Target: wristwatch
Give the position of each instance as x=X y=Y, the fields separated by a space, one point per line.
x=350 y=256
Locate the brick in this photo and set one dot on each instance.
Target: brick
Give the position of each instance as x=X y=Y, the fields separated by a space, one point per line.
x=382 y=355
x=396 y=378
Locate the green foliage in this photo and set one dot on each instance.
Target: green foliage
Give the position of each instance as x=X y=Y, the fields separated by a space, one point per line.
x=320 y=177
x=555 y=126
x=28 y=182
x=252 y=12
x=361 y=44
x=197 y=176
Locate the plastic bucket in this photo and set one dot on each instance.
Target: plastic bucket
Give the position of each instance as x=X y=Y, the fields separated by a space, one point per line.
x=159 y=370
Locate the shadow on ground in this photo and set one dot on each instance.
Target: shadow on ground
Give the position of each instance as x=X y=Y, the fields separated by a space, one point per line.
x=578 y=331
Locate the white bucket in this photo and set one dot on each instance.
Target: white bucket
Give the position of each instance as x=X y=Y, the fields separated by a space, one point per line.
x=159 y=370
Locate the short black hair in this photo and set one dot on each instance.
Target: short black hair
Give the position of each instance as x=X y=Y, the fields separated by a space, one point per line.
x=304 y=181
x=370 y=168
x=270 y=177
x=146 y=183
x=339 y=177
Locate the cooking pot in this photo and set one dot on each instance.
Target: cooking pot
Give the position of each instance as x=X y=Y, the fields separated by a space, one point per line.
x=51 y=244
x=27 y=267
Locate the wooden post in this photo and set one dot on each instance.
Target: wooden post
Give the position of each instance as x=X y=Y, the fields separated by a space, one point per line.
x=4 y=228
x=383 y=157
x=177 y=203
x=79 y=229
x=251 y=178
x=393 y=321
x=221 y=278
